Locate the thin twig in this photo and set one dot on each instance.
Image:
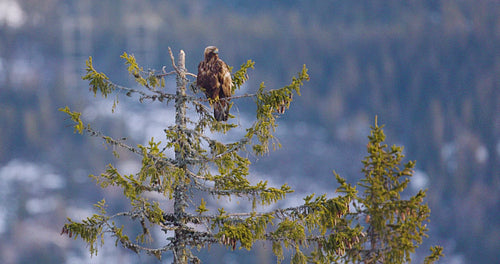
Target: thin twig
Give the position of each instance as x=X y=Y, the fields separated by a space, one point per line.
x=192 y=74
x=173 y=60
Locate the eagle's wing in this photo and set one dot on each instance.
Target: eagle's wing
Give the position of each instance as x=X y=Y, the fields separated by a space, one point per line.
x=224 y=76
x=207 y=79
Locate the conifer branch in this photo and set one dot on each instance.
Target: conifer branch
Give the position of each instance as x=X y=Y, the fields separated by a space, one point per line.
x=113 y=142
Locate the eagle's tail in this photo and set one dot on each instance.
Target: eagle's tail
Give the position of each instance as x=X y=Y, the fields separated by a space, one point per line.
x=221 y=111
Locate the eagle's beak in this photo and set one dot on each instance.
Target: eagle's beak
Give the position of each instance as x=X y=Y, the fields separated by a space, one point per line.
x=216 y=51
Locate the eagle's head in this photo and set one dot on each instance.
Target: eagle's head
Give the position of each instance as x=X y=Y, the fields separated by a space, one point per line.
x=211 y=51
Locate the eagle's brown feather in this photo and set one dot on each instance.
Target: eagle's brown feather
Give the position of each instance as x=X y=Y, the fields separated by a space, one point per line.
x=214 y=78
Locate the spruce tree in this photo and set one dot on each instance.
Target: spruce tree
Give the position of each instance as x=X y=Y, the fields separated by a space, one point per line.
x=322 y=230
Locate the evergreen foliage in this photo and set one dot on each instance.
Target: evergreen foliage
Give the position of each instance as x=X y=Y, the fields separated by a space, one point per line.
x=322 y=230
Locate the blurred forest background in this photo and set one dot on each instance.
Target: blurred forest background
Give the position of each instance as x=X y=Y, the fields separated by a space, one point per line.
x=429 y=69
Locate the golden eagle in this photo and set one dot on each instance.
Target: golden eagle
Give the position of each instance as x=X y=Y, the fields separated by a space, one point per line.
x=214 y=78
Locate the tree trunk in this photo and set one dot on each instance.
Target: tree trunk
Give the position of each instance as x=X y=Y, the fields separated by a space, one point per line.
x=180 y=253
